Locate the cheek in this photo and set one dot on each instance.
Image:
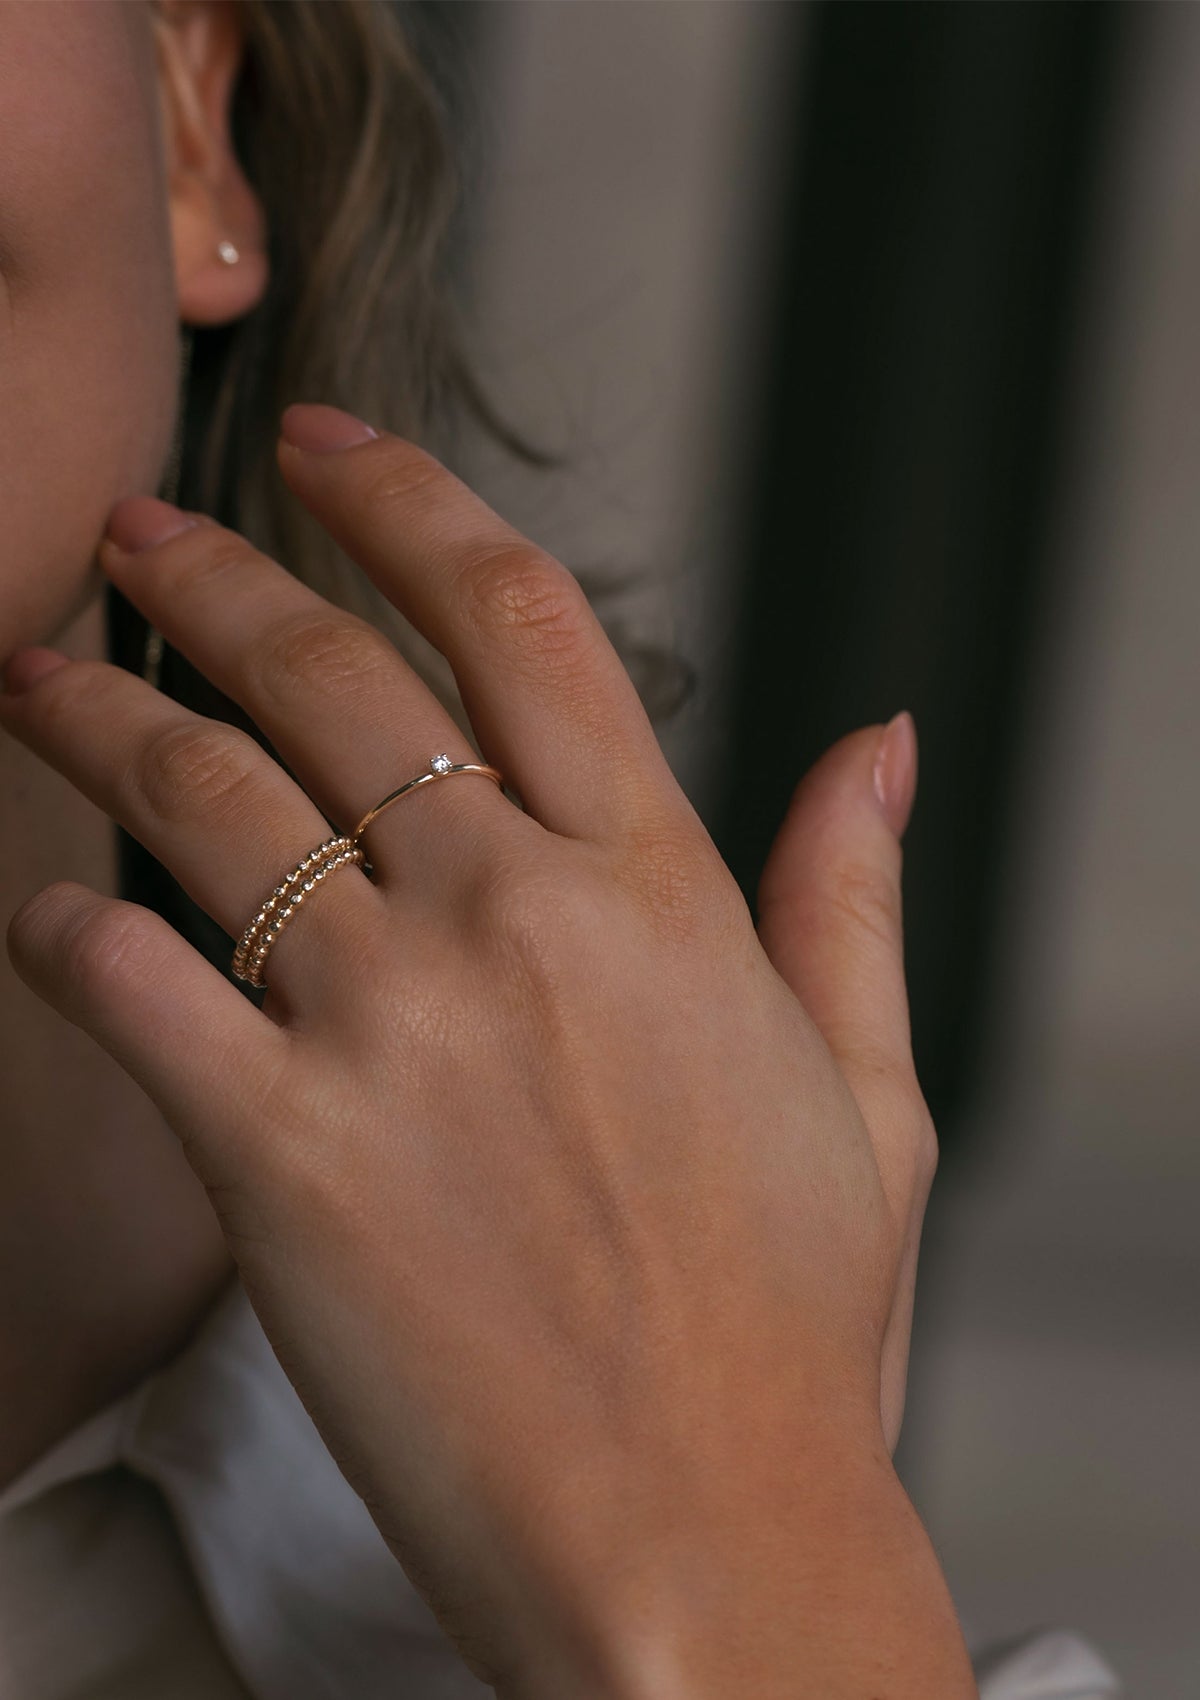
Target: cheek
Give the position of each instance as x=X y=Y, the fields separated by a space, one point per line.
x=88 y=322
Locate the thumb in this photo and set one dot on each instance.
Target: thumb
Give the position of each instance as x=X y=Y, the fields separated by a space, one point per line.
x=830 y=922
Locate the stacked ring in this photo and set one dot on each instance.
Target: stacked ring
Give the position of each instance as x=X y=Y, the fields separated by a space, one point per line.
x=278 y=909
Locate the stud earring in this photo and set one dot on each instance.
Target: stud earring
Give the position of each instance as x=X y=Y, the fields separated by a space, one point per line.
x=228 y=253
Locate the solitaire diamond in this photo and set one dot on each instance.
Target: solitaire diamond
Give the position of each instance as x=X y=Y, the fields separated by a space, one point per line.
x=440 y=764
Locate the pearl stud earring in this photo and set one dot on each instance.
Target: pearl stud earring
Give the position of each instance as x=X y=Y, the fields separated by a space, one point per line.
x=228 y=253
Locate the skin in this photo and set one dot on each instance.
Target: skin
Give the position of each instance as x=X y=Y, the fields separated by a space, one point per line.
x=582 y=1214
x=116 y=183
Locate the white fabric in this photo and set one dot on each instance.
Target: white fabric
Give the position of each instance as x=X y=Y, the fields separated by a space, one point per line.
x=289 y=1578
x=196 y=1540
x=1053 y=1665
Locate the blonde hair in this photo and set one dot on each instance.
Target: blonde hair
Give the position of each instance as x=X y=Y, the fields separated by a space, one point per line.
x=345 y=138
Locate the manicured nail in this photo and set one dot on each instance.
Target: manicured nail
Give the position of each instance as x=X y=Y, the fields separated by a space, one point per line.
x=25 y=667
x=139 y=522
x=321 y=429
x=896 y=770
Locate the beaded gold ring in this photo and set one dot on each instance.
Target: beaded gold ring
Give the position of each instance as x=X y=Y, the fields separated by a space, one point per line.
x=278 y=908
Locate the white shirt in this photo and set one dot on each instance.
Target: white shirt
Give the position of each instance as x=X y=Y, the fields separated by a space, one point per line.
x=195 y=1541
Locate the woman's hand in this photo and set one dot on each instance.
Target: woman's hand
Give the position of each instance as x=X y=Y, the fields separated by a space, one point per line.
x=583 y=1218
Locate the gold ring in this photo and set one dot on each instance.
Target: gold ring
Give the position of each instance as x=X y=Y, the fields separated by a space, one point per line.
x=282 y=903
x=440 y=767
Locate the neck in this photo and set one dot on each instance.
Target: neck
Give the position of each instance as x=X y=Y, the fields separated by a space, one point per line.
x=109 y=1249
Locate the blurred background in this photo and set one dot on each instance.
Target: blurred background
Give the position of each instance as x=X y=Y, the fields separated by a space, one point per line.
x=871 y=336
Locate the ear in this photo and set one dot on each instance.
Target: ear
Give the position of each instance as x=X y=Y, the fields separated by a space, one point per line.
x=200 y=45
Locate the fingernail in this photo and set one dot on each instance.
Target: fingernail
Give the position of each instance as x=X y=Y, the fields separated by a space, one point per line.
x=25 y=667
x=138 y=522
x=321 y=429
x=896 y=770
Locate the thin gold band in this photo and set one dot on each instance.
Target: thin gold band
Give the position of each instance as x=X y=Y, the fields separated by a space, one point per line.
x=440 y=767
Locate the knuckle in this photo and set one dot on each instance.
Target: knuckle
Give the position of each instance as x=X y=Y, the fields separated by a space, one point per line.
x=84 y=688
x=107 y=945
x=401 y=473
x=925 y=1145
x=894 y=1094
x=189 y=770
x=537 y=913
x=867 y=898
x=881 y=1069
x=216 y=553
x=677 y=883
x=518 y=591
x=323 y=651
x=32 y=924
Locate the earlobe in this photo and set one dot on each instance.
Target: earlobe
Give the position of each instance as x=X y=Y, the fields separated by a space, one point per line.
x=213 y=209
x=221 y=269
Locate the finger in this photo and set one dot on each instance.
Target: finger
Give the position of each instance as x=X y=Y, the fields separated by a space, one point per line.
x=343 y=710
x=548 y=697
x=830 y=921
x=204 y=799
x=192 y=1042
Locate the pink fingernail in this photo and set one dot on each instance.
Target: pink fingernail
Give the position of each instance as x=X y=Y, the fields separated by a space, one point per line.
x=25 y=667
x=321 y=429
x=139 y=522
x=895 y=774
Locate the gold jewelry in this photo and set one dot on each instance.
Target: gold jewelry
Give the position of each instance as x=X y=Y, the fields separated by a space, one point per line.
x=277 y=910
x=282 y=903
x=440 y=767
